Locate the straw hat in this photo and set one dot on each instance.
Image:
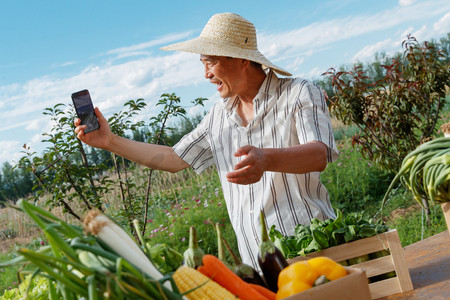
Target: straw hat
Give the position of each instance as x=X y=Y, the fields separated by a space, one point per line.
x=227 y=34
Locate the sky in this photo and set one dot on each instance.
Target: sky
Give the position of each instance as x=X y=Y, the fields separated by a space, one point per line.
x=50 y=49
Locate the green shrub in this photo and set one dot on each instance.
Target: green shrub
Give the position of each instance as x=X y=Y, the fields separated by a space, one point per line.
x=354 y=183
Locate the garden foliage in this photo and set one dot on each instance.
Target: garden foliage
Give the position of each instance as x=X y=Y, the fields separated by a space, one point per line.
x=75 y=175
x=397 y=109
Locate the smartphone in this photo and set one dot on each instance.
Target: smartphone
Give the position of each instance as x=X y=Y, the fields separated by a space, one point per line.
x=85 y=110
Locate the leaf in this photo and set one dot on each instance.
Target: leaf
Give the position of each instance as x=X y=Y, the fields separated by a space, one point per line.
x=302 y=231
x=273 y=233
x=350 y=233
x=367 y=231
x=321 y=239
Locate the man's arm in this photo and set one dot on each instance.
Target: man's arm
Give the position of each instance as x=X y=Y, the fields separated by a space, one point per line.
x=299 y=159
x=150 y=155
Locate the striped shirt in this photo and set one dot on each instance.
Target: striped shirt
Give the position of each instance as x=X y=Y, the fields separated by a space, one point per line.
x=287 y=112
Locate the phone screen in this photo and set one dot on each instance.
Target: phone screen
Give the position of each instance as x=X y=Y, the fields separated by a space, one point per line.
x=85 y=110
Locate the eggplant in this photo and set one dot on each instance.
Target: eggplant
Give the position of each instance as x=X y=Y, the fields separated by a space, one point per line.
x=244 y=271
x=194 y=254
x=270 y=258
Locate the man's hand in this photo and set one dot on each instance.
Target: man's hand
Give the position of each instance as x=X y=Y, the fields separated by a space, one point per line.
x=251 y=168
x=99 y=138
x=299 y=159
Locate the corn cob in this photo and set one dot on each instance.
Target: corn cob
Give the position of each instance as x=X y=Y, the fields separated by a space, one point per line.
x=200 y=286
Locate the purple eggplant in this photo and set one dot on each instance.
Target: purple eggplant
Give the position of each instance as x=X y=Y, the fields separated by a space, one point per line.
x=270 y=258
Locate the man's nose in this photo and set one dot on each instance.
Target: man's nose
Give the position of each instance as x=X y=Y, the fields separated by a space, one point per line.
x=208 y=74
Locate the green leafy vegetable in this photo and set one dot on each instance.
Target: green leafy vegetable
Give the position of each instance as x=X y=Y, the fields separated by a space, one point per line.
x=320 y=235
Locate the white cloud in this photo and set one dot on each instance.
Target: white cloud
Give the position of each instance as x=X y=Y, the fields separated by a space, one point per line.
x=136 y=49
x=110 y=86
x=443 y=25
x=289 y=49
x=294 y=66
x=40 y=124
x=422 y=34
x=14 y=125
x=69 y=63
x=36 y=139
x=10 y=151
x=369 y=51
x=316 y=72
x=293 y=45
x=406 y=2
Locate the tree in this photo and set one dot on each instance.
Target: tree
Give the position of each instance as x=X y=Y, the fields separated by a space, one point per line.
x=185 y=125
x=73 y=173
x=400 y=110
x=445 y=46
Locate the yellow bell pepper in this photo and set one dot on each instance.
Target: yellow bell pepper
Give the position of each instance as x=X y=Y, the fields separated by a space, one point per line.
x=302 y=275
x=298 y=271
x=295 y=278
x=292 y=288
x=328 y=267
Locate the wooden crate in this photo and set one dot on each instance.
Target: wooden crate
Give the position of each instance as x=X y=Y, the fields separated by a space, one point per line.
x=446 y=210
x=393 y=262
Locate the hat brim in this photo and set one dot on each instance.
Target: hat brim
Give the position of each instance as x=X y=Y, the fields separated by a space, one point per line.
x=201 y=45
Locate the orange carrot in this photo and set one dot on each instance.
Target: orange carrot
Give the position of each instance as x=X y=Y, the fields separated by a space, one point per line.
x=263 y=291
x=203 y=270
x=219 y=272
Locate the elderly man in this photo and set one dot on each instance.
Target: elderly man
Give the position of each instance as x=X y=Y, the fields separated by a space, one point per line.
x=269 y=137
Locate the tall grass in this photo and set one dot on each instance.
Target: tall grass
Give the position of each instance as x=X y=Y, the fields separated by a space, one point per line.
x=14 y=224
x=353 y=182
x=200 y=205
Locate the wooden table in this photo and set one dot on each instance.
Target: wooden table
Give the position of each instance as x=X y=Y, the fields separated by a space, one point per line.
x=429 y=266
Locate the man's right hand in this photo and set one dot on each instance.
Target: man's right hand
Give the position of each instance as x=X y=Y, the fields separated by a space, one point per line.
x=99 y=138
x=159 y=157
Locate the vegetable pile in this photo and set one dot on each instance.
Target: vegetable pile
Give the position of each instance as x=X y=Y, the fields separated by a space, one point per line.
x=426 y=172
x=106 y=264
x=102 y=261
x=320 y=235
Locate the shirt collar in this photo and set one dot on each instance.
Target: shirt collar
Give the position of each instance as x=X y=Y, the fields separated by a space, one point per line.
x=269 y=85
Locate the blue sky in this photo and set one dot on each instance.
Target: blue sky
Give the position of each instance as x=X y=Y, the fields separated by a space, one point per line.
x=49 y=49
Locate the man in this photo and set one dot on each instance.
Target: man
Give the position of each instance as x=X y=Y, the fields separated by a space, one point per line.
x=269 y=138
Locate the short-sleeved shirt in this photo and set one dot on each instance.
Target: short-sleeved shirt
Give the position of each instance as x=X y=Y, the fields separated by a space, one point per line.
x=287 y=112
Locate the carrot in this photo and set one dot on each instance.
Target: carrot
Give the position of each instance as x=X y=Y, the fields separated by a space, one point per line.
x=263 y=291
x=216 y=270
x=203 y=270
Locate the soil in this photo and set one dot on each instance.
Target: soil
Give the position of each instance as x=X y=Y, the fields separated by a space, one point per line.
x=7 y=245
x=401 y=212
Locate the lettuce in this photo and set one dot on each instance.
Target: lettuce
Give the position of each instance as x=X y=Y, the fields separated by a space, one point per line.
x=320 y=235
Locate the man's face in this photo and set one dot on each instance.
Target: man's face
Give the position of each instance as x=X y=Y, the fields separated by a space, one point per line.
x=225 y=72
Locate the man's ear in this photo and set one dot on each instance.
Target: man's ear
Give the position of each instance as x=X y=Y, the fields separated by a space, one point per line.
x=245 y=63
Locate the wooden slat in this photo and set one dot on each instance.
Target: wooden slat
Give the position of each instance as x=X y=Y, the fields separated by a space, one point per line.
x=446 y=210
x=377 y=266
x=384 y=288
x=401 y=268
